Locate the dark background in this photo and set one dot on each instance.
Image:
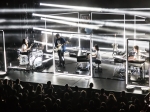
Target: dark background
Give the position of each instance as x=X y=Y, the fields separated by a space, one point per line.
x=15 y=34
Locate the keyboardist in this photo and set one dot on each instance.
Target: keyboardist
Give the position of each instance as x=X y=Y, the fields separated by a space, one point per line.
x=136 y=60
x=96 y=56
x=136 y=55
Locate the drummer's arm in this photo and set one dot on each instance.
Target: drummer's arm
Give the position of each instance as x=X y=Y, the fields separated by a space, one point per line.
x=29 y=48
x=25 y=50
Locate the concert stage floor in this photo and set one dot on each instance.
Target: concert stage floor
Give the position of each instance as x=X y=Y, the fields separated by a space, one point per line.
x=104 y=80
x=108 y=84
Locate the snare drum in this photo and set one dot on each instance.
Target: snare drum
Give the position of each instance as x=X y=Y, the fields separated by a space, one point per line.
x=23 y=60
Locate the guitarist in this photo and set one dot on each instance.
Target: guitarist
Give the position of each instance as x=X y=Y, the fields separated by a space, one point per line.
x=60 y=45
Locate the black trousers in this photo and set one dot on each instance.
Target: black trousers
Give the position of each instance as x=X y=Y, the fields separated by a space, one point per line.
x=94 y=60
x=61 y=57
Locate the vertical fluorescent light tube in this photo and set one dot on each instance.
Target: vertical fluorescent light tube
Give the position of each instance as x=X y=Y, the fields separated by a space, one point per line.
x=46 y=36
x=91 y=67
x=4 y=53
x=53 y=54
x=124 y=36
x=134 y=28
x=79 y=31
x=149 y=64
x=46 y=41
x=92 y=33
x=127 y=62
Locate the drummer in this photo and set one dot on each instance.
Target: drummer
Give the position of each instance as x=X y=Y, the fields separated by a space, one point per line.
x=25 y=47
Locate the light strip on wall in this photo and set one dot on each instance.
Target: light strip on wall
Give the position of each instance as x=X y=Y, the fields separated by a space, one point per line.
x=84 y=37
x=29 y=10
x=119 y=20
x=87 y=37
x=112 y=24
x=43 y=43
x=82 y=20
x=99 y=38
x=60 y=17
x=88 y=8
x=50 y=30
x=74 y=24
x=72 y=7
x=145 y=14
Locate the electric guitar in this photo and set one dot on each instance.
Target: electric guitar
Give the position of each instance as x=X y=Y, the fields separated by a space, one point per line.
x=59 y=46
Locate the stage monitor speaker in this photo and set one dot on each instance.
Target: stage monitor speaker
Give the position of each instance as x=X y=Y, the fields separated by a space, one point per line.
x=130 y=88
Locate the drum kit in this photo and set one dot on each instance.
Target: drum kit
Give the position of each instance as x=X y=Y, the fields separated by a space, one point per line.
x=32 y=59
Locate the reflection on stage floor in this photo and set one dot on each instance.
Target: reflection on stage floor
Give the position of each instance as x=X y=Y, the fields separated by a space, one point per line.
x=107 y=66
x=45 y=73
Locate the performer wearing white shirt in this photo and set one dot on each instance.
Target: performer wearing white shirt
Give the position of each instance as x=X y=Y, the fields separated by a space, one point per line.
x=24 y=47
x=96 y=57
x=23 y=57
x=136 y=55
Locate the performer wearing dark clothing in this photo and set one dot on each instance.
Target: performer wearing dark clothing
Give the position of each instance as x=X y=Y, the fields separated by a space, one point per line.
x=60 y=46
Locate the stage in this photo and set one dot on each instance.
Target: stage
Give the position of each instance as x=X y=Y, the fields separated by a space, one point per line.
x=105 y=79
x=83 y=82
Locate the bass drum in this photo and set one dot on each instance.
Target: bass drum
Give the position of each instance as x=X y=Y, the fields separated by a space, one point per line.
x=37 y=62
x=36 y=59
